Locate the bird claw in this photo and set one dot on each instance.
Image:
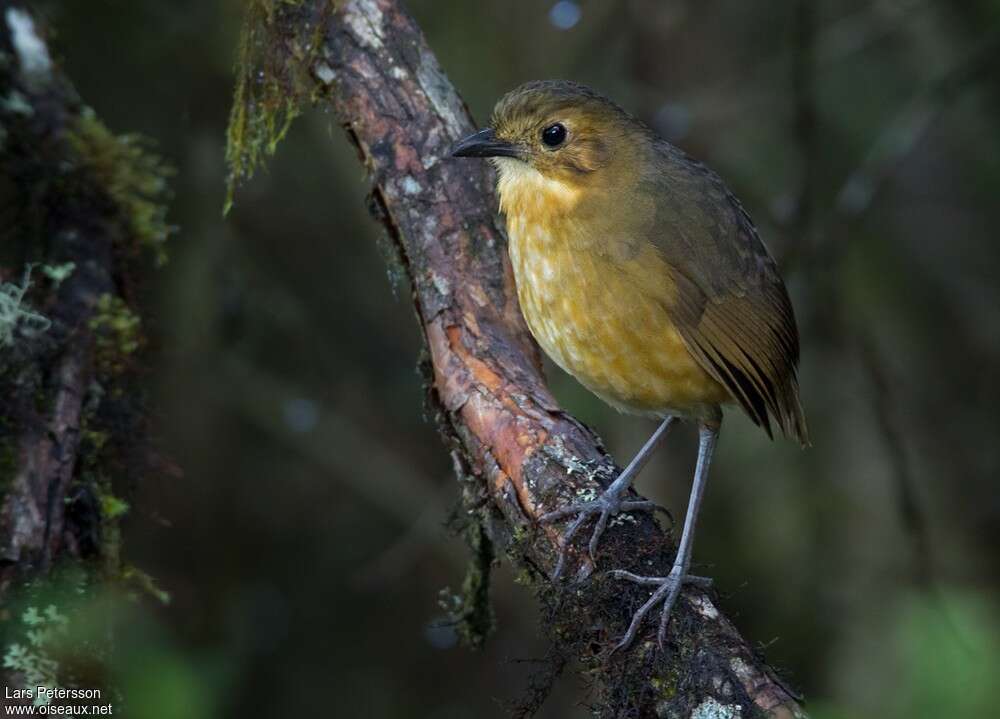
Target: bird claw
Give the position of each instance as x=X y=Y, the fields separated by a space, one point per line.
x=668 y=589
x=607 y=505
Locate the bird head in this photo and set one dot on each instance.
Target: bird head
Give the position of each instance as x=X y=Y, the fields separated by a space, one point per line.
x=561 y=130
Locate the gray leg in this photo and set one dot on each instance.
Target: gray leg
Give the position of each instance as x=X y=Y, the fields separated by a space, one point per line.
x=670 y=586
x=609 y=502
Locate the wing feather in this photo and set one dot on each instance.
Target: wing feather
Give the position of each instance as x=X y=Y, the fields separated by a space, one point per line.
x=732 y=309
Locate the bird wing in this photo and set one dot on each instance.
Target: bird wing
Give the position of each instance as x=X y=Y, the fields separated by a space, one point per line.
x=731 y=307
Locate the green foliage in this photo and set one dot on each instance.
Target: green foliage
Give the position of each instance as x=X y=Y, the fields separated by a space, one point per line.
x=271 y=87
x=132 y=175
x=947 y=657
x=33 y=659
x=72 y=630
x=14 y=310
x=163 y=684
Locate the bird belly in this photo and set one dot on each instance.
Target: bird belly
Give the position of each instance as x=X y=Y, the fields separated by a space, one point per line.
x=606 y=331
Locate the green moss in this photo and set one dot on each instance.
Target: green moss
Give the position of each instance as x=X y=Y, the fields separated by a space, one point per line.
x=470 y=610
x=134 y=178
x=117 y=332
x=477 y=621
x=112 y=507
x=94 y=440
x=272 y=84
x=140 y=579
x=665 y=687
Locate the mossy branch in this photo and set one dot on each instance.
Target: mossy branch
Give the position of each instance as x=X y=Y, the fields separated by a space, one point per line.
x=522 y=453
x=269 y=92
x=89 y=209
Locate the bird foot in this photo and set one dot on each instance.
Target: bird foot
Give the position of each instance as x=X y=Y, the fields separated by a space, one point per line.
x=607 y=505
x=667 y=590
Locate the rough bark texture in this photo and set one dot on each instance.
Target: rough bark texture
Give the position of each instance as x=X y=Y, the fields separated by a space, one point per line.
x=514 y=448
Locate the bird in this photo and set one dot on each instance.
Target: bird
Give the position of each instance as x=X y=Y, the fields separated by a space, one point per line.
x=640 y=274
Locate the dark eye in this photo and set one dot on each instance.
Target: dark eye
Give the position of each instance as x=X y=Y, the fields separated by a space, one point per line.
x=554 y=135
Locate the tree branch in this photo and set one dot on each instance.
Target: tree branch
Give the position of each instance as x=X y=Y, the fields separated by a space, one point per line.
x=80 y=205
x=524 y=456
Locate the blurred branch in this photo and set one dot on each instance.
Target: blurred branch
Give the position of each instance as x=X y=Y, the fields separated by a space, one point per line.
x=913 y=517
x=901 y=135
x=518 y=455
x=806 y=120
x=822 y=241
x=80 y=204
x=333 y=442
x=833 y=44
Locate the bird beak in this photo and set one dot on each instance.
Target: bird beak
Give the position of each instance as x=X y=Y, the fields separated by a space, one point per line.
x=484 y=144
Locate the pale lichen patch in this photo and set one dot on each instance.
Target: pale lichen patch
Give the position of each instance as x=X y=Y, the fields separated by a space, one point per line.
x=703 y=605
x=441 y=284
x=16 y=104
x=410 y=186
x=713 y=709
x=32 y=54
x=442 y=96
x=324 y=73
x=15 y=312
x=366 y=23
x=741 y=669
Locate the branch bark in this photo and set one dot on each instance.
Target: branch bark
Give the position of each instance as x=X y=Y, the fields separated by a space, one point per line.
x=514 y=447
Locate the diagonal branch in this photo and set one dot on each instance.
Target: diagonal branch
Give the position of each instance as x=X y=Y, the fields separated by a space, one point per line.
x=371 y=64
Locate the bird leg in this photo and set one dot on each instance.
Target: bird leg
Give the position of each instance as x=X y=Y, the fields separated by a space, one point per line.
x=669 y=587
x=609 y=503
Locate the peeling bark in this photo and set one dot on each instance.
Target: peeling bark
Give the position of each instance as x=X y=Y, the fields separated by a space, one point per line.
x=374 y=68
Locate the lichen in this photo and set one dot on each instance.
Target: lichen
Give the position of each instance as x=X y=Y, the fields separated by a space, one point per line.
x=14 y=311
x=132 y=175
x=713 y=709
x=32 y=657
x=272 y=84
x=32 y=53
x=58 y=273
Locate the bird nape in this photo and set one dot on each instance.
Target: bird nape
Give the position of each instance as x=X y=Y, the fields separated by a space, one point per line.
x=640 y=274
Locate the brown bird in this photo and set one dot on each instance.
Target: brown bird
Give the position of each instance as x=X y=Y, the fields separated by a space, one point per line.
x=641 y=275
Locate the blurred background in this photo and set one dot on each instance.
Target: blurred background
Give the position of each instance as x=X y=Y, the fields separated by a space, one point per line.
x=303 y=536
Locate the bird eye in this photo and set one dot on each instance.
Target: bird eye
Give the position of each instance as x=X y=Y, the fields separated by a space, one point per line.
x=554 y=135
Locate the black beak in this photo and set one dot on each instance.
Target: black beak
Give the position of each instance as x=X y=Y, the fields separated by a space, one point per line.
x=483 y=144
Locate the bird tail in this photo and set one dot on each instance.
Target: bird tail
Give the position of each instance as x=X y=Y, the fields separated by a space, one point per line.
x=790 y=416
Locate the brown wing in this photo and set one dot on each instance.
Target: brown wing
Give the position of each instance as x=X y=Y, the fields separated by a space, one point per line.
x=732 y=308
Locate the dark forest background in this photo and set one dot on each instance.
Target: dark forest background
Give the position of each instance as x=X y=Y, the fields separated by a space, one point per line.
x=303 y=538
